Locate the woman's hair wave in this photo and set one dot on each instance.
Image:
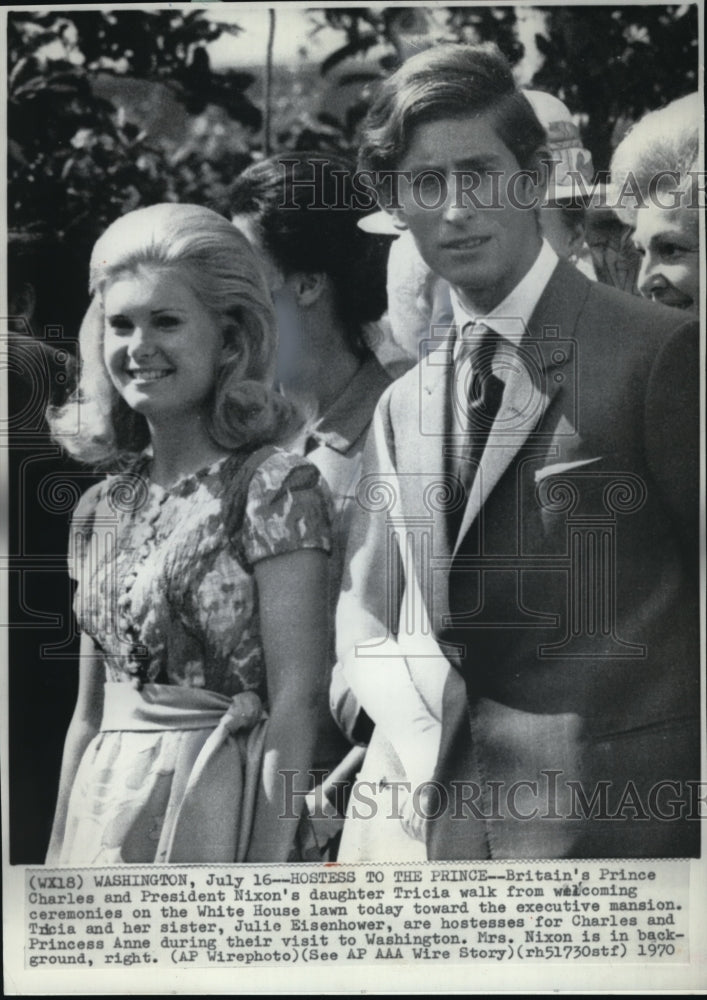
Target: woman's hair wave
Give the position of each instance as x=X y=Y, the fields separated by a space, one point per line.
x=95 y=425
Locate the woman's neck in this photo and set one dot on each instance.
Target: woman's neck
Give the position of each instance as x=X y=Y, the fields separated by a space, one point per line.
x=181 y=449
x=330 y=367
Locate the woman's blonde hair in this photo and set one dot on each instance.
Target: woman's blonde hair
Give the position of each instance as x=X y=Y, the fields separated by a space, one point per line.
x=95 y=425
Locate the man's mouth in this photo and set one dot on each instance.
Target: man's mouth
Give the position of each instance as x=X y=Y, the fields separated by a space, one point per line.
x=466 y=243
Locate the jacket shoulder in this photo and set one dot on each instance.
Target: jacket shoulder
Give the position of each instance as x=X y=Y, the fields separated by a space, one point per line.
x=614 y=325
x=643 y=312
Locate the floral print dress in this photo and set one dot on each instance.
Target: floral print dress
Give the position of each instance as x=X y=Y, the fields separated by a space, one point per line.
x=167 y=593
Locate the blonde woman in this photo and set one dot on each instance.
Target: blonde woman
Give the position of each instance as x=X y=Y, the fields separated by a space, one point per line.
x=200 y=560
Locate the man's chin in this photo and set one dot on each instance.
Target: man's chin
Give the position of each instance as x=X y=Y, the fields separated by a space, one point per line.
x=469 y=276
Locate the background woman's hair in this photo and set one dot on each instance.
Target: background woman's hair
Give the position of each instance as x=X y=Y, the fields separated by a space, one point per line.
x=306 y=207
x=662 y=143
x=219 y=265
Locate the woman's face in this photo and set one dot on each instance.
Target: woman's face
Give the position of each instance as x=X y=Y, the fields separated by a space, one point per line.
x=564 y=234
x=668 y=242
x=162 y=348
x=292 y=344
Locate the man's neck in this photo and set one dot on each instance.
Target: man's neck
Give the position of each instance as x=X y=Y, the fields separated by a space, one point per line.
x=481 y=301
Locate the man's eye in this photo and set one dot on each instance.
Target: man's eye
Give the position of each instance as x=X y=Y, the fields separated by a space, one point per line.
x=431 y=180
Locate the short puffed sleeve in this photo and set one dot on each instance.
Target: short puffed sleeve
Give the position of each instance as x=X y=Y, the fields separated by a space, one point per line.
x=288 y=508
x=82 y=528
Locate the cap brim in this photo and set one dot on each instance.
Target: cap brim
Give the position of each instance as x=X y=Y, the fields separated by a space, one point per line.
x=378 y=223
x=589 y=195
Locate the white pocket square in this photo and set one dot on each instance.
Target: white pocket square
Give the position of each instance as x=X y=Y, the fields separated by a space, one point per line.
x=560 y=467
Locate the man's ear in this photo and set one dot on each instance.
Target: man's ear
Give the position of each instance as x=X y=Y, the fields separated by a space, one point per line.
x=308 y=286
x=542 y=164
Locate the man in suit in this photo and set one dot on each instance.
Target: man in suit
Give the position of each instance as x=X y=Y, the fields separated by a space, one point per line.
x=520 y=609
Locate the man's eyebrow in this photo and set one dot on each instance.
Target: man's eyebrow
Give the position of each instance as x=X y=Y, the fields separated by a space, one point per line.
x=479 y=161
x=482 y=161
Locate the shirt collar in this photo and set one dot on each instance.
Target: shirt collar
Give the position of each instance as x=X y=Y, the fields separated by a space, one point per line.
x=511 y=317
x=347 y=418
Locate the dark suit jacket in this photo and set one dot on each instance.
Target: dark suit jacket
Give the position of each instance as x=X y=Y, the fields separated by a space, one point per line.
x=563 y=590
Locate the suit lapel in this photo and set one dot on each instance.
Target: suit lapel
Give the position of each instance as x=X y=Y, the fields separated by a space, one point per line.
x=425 y=494
x=534 y=377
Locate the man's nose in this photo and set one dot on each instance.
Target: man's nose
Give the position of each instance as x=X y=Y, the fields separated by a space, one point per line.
x=457 y=206
x=470 y=192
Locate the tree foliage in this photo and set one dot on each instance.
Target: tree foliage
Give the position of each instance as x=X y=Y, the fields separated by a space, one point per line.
x=75 y=162
x=375 y=43
x=609 y=63
x=78 y=159
x=615 y=63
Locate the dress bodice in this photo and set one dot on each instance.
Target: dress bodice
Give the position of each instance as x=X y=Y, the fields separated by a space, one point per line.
x=165 y=576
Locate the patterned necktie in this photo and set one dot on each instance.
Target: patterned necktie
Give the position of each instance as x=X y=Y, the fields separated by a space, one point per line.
x=479 y=394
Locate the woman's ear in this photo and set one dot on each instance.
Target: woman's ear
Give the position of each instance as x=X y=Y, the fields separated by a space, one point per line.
x=229 y=337
x=308 y=286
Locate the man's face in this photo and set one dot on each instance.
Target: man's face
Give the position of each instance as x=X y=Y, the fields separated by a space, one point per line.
x=483 y=252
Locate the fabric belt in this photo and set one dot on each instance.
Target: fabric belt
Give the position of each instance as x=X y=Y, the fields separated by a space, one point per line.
x=217 y=777
x=169 y=706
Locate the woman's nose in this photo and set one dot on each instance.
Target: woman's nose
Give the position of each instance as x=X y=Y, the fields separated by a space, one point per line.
x=649 y=276
x=142 y=341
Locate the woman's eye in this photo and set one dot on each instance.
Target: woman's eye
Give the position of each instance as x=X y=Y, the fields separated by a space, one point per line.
x=669 y=250
x=165 y=321
x=119 y=324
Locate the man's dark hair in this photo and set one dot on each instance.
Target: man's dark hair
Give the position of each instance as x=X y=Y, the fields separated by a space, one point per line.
x=449 y=81
x=306 y=216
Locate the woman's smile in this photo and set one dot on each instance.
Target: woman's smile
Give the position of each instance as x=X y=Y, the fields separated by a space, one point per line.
x=149 y=374
x=159 y=336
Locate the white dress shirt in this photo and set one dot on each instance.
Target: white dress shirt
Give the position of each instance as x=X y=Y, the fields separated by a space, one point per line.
x=511 y=316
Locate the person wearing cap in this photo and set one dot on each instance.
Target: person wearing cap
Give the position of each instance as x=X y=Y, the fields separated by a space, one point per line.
x=563 y=213
x=419 y=302
x=519 y=613
x=574 y=216
x=655 y=172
